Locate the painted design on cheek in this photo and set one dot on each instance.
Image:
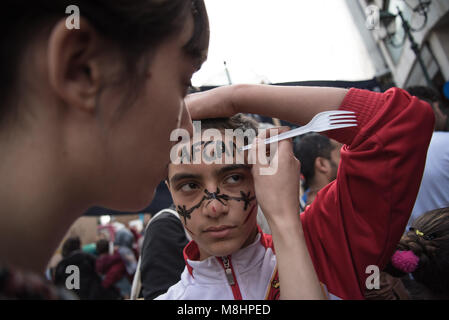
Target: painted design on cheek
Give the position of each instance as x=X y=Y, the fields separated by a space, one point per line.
x=245 y=197
x=186 y=214
x=189 y=230
x=250 y=214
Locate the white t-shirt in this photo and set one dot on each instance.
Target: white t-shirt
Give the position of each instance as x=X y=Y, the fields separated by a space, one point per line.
x=434 y=190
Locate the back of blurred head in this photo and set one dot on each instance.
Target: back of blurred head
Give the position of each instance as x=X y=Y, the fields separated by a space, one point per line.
x=318 y=167
x=432 y=97
x=70 y=245
x=102 y=246
x=124 y=238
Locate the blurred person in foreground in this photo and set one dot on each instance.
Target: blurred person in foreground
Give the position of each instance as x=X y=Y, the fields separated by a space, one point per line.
x=76 y=103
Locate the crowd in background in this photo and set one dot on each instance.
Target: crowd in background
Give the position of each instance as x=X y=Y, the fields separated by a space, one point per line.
x=106 y=268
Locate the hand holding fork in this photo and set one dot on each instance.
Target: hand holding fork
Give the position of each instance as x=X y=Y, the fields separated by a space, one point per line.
x=324 y=121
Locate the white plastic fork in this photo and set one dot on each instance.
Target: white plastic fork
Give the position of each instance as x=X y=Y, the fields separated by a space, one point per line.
x=324 y=121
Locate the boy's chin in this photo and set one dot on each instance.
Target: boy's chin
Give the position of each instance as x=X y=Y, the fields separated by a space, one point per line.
x=223 y=249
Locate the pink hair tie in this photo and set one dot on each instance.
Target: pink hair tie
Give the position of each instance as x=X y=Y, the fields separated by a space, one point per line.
x=406 y=261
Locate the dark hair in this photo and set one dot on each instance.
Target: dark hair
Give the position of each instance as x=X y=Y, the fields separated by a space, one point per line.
x=428 y=239
x=238 y=121
x=70 y=245
x=309 y=147
x=425 y=93
x=431 y=96
x=102 y=246
x=132 y=26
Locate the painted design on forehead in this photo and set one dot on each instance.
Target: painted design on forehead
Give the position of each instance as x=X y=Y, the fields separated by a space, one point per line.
x=245 y=197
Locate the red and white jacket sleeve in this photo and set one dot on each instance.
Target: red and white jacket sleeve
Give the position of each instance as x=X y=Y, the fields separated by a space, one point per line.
x=357 y=220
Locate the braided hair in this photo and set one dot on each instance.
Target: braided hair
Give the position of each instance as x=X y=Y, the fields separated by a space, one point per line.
x=424 y=252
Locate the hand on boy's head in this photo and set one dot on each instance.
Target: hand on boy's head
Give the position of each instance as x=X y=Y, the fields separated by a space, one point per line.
x=215 y=103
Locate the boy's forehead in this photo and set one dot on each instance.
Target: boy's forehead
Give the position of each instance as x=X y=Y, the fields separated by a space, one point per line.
x=194 y=168
x=208 y=152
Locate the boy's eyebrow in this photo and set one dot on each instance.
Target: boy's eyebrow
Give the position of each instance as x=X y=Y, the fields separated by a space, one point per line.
x=182 y=176
x=232 y=168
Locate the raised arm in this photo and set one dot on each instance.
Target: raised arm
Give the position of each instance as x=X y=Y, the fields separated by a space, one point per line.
x=295 y=104
x=355 y=223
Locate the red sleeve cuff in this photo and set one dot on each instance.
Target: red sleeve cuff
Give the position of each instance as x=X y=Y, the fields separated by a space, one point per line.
x=365 y=104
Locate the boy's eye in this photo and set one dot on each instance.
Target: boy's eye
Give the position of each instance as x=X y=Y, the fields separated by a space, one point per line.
x=233 y=179
x=189 y=187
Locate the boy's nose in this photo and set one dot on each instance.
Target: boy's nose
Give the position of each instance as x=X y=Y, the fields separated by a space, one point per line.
x=214 y=208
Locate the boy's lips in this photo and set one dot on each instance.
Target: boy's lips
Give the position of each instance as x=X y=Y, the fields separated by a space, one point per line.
x=218 y=228
x=219 y=232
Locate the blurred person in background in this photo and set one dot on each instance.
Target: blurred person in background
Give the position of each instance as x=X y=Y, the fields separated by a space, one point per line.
x=162 y=260
x=421 y=263
x=113 y=270
x=432 y=97
x=434 y=189
x=90 y=287
x=319 y=157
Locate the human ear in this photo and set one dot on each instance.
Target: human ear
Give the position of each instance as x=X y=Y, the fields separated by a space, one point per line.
x=322 y=164
x=73 y=64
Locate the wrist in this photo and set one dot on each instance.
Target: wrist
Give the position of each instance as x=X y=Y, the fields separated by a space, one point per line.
x=287 y=221
x=286 y=234
x=239 y=95
x=236 y=92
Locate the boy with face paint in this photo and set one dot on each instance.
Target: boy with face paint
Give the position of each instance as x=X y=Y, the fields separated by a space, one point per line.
x=229 y=257
x=355 y=222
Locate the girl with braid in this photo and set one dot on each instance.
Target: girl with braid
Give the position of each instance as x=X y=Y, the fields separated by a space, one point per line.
x=420 y=266
x=423 y=252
